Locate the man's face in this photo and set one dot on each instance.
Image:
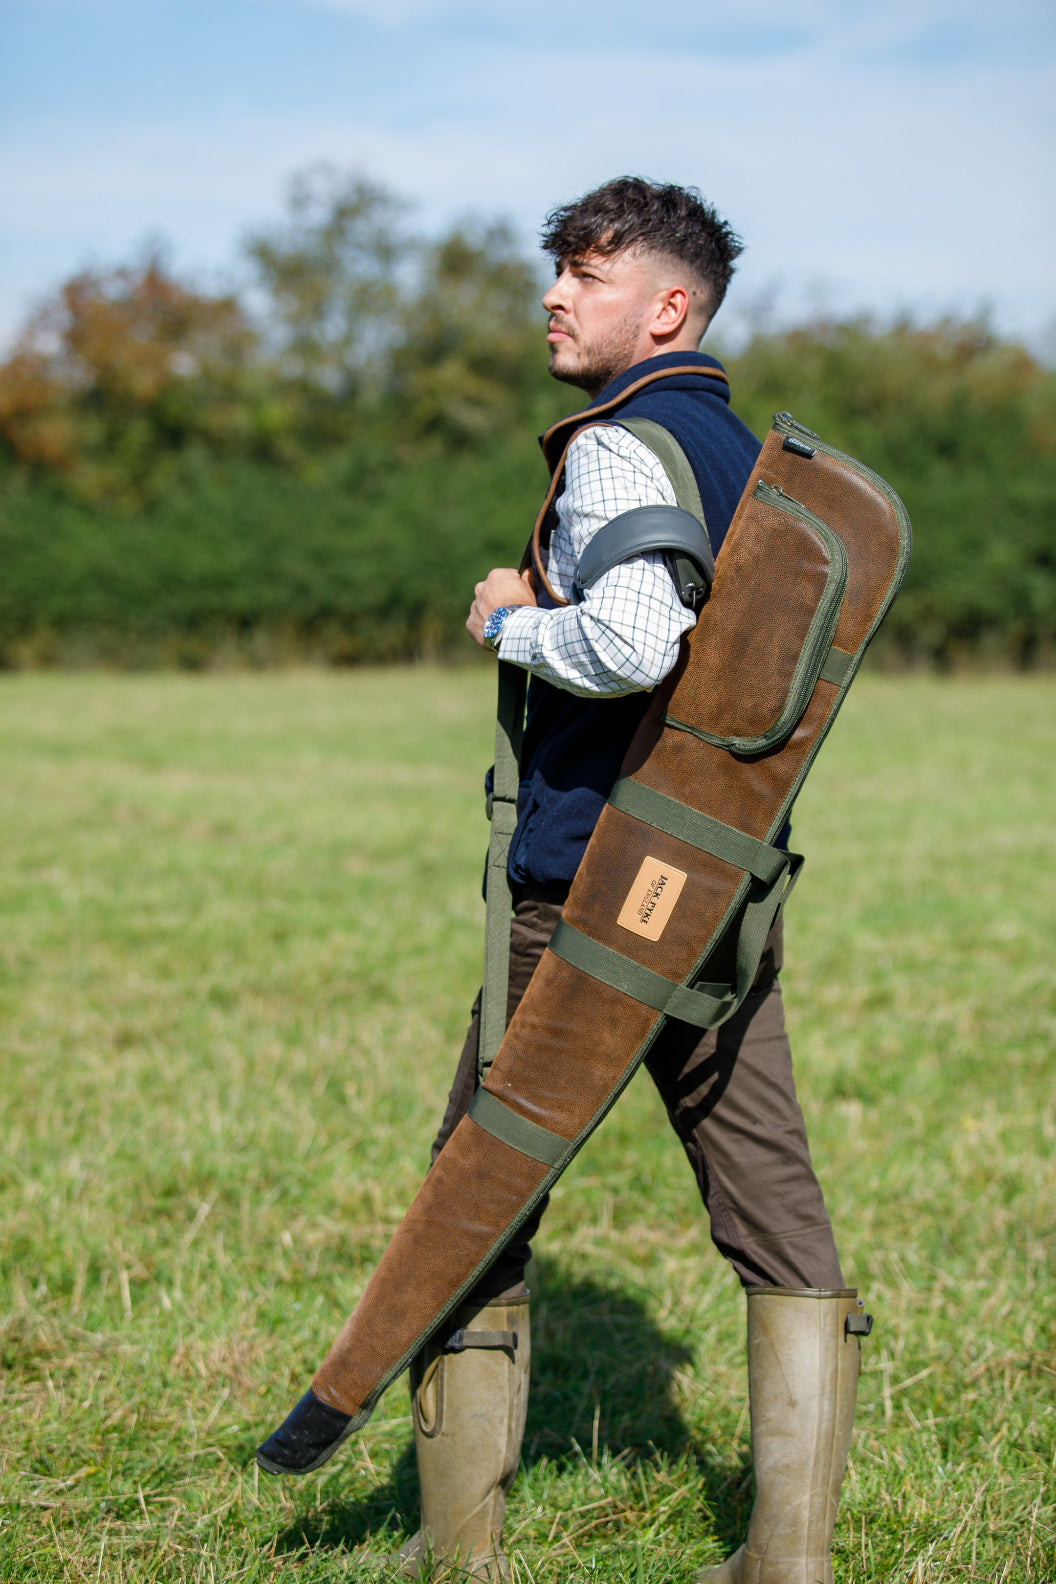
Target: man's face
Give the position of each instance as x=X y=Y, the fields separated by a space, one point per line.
x=600 y=309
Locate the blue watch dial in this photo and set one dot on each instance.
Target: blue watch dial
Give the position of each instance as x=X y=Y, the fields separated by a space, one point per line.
x=493 y=624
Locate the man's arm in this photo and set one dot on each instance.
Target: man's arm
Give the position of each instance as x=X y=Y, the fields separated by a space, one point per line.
x=502 y=586
x=624 y=637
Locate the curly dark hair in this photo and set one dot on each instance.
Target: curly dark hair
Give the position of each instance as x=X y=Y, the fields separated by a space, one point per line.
x=630 y=212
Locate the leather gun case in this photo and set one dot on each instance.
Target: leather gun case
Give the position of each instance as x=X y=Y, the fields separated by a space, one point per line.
x=678 y=888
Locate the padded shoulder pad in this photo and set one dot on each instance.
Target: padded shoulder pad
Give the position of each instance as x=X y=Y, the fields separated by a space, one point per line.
x=633 y=533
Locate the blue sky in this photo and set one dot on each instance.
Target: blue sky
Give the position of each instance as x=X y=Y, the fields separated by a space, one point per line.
x=873 y=157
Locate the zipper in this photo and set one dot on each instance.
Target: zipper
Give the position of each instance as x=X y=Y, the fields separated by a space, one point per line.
x=789 y=425
x=785 y=424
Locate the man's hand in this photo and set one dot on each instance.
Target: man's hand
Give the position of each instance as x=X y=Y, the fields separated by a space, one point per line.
x=502 y=586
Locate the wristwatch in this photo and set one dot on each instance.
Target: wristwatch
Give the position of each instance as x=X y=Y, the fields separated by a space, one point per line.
x=493 y=625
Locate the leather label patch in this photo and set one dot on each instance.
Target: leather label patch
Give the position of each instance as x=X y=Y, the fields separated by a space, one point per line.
x=651 y=899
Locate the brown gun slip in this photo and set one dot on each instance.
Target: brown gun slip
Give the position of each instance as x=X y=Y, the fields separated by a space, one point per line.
x=671 y=905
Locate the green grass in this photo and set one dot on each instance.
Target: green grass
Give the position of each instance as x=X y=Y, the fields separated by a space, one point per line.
x=240 y=928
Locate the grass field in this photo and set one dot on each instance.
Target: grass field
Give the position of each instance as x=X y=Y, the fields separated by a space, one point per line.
x=240 y=928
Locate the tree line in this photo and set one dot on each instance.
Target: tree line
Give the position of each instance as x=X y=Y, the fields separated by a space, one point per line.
x=321 y=463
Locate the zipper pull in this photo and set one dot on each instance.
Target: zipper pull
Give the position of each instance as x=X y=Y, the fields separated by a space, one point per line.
x=786 y=420
x=773 y=489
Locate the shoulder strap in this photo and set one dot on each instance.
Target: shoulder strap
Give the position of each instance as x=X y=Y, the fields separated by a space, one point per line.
x=691 y=562
x=692 y=572
x=509 y=730
x=692 y=575
x=557 y=439
x=680 y=475
x=679 y=535
x=662 y=443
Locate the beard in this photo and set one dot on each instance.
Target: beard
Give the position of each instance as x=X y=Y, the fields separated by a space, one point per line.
x=591 y=365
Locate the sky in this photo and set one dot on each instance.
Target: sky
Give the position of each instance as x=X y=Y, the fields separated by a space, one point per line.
x=877 y=158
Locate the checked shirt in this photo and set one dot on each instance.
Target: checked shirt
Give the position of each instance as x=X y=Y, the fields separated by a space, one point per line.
x=624 y=637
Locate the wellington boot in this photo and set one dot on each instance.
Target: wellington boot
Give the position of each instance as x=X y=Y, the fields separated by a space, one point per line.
x=469 y=1390
x=803 y=1362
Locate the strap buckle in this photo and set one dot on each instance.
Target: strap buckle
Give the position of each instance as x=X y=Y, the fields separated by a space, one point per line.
x=463 y=1339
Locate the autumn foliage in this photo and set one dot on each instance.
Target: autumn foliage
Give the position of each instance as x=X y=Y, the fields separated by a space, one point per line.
x=120 y=372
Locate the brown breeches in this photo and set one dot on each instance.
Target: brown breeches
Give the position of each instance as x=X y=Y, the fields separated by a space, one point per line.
x=731 y=1099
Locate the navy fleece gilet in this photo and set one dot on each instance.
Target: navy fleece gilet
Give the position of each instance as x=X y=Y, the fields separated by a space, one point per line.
x=573 y=747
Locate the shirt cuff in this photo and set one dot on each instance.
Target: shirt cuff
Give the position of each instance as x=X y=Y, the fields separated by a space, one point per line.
x=520 y=638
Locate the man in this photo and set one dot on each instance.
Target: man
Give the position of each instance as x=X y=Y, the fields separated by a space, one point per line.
x=641 y=270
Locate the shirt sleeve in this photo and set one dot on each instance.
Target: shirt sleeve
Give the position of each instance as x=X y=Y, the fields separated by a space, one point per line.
x=624 y=636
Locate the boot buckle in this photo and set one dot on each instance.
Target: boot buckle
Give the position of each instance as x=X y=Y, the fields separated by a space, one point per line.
x=464 y=1338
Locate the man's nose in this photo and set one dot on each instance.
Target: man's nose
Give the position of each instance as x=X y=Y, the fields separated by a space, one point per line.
x=556 y=298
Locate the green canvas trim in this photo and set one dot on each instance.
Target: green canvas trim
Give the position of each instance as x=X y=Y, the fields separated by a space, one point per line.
x=509 y=1127
x=698 y=830
x=835 y=667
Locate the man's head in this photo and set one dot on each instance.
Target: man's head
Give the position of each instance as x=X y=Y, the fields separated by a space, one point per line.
x=641 y=269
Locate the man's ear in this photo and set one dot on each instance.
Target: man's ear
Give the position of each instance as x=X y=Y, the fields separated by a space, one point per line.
x=671 y=310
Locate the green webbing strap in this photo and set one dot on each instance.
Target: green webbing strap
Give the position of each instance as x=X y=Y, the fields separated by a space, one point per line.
x=662 y=443
x=757 y=923
x=489 y=1113
x=836 y=666
x=672 y=459
x=509 y=729
x=703 y=1006
x=766 y=863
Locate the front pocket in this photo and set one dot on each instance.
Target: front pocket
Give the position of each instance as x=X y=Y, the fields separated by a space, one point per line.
x=750 y=702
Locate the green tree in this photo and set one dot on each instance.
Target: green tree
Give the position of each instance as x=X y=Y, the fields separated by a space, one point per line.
x=332 y=278
x=963 y=424
x=470 y=362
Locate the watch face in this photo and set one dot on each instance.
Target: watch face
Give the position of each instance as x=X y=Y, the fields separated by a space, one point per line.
x=493 y=625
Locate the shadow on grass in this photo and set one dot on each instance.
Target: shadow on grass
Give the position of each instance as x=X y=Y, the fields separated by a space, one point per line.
x=602 y=1386
x=602 y=1373
x=384 y=1518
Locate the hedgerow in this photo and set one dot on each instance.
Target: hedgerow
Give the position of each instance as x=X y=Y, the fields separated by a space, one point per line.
x=323 y=466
